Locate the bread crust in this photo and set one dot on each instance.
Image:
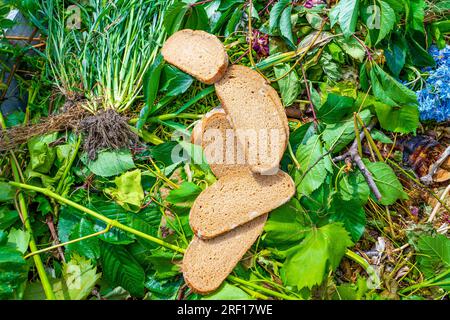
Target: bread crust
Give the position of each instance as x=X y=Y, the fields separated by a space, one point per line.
x=171 y=51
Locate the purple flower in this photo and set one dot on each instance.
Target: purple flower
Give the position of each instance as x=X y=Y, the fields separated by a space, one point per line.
x=312 y=3
x=260 y=43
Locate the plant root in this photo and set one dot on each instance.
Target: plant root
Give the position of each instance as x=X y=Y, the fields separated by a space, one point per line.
x=106 y=130
x=13 y=137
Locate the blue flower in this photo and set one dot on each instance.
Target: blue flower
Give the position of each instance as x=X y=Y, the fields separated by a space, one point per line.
x=434 y=98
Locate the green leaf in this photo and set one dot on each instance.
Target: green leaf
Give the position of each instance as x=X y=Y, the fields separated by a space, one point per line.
x=348 y=16
x=228 y=292
x=233 y=22
x=289 y=85
x=89 y=248
x=402 y=119
x=314 y=166
x=197 y=19
x=173 y=18
x=287 y=225
x=434 y=257
x=163 y=263
x=129 y=193
x=352 y=47
x=380 y=136
x=121 y=269
x=185 y=195
x=351 y=214
x=335 y=108
x=7 y=192
x=418 y=54
x=227 y=4
x=387 y=21
x=13 y=273
x=19 y=239
x=353 y=186
x=339 y=135
x=42 y=155
x=396 y=91
x=320 y=251
x=275 y=14
x=166 y=289
x=416 y=15
x=395 y=54
x=174 y=81
x=110 y=163
x=387 y=182
x=7 y=217
x=79 y=279
x=286 y=26
x=150 y=88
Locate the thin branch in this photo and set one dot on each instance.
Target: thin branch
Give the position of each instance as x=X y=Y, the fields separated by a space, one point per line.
x=428 y=179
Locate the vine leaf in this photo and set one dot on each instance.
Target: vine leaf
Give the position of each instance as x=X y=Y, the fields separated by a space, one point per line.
x=120 y=268
x=320 y=251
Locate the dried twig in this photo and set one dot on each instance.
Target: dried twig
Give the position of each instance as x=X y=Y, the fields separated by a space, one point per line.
x=428 y=179
x=353 y=154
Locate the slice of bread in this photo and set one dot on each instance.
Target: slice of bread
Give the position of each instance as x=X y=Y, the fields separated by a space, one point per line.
x=197 y=131
x=256 y=115
x=236 y=199
x=217 y=138
x=207 y=263
x=197 y=53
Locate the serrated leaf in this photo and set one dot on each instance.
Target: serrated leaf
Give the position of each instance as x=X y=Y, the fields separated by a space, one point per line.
x=339 y=135
x=351 y=214
x=121 y=269
x=352 y=47
x=289 y=85
x=286 y=225
x=13 y=273
x=402 y=119
x=314 y=166
x=7 y=192
x=353 y=186
x=228 y=292
x=320 y=251
x=286 y=26
x=19 y=239
x=110 y=163
x=387 y=21
x=395 y=54
x=186 y=194
x=174 y=81
x=348 y=16
x=387 y=182
x=128 y=192
x=335 y=108
x=89 y=248
x=79 y=277
x=434 y=257
x=275 y=14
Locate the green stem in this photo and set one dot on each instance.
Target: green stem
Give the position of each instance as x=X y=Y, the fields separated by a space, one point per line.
x=170 y=116
x=48 y=290
x=69 y=242
x=429 y=283
x=116 y=224
x=262 y=289
x=98 y=216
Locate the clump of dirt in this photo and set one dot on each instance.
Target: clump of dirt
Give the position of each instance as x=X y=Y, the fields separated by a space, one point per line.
x=15 y=136
x=106 y=130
